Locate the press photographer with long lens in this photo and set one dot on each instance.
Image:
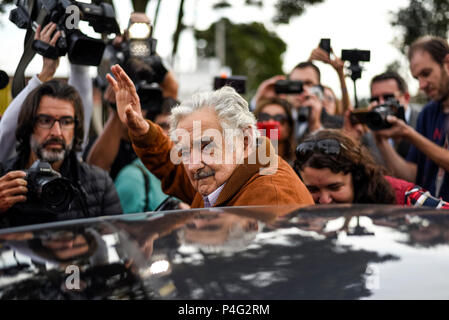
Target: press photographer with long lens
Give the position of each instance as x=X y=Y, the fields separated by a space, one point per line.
x=389 y=94
x=427 y=162
x=46 y=182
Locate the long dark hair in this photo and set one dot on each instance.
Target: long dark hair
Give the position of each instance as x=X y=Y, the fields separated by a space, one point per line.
x=370 y=185
x=289 y=143
x=27 y=116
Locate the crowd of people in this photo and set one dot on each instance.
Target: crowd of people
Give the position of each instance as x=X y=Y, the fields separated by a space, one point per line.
x=215 y=149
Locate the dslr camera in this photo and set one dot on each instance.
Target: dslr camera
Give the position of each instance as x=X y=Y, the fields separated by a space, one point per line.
x=376 y=119
x=48 y=187
x=80 y=48
x=297 y=87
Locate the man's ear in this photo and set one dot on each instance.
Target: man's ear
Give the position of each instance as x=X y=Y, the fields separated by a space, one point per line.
x=446 y=64
x=407 y=97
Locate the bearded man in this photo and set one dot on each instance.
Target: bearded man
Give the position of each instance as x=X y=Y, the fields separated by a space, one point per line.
x=46 y=181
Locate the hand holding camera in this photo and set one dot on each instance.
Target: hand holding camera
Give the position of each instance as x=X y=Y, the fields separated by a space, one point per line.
x=267 y=89
x=324 y=53
x=12 y=189
x=48 y=36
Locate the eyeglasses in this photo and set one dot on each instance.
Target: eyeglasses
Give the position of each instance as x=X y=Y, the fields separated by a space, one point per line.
x=47 y=122
x=326 y=146
x=281 y=118
x=386 y=97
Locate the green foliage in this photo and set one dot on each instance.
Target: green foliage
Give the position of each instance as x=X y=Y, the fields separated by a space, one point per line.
x=287 y=9
x=251 y=50
x=394 y=66
x=4 y=4
x=421 y=17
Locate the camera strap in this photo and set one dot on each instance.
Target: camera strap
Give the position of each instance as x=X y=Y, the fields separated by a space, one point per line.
x=18 y=82
x=147 y=186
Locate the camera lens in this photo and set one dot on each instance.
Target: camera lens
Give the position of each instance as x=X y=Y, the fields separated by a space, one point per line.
x=57 y=194
x=375 y=121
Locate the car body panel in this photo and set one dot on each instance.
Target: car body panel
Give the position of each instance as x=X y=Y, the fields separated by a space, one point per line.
x=289 y=252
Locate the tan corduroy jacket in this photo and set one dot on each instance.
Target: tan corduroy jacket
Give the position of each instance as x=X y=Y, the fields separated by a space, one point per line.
x=245 y=187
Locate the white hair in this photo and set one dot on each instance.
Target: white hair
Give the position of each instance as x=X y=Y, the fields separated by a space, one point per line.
x=232 y=110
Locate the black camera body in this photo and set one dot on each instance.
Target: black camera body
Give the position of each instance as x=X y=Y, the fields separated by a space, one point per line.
x=80 y=48
x=376 y=119
x=236 y=82
x=288 y=87
x=48 y=187
x=325 y=44
x=355 y=55
x=145 y=68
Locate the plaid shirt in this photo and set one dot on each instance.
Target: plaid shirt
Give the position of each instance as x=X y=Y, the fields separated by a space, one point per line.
x=419 y=197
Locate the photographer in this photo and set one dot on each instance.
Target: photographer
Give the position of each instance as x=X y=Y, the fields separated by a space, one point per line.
x=51 y=129
x=112 y=149
x=427 y=162
x=390 y=85
x=79 y=78
x=310 y=76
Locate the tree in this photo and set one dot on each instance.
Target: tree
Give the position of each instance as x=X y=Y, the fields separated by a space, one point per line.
x=421 y=17
x=251 y=50
x=287 y=9
x=4 y=4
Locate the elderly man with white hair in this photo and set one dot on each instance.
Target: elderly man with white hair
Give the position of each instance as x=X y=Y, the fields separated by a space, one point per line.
x=215 y=156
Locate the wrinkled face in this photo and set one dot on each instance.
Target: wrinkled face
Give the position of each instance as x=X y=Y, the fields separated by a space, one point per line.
x=207 y=158
x=277 y=112
x=328 y=187
x=388 y=88
x=433 y=78
x=309 y=77
x=329 y=102
x=52 y=143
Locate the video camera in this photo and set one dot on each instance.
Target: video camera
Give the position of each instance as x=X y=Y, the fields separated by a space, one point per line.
x=47 y=186
x=80 y=48
x=376 y=119
x=354 y=57
x=137 y=55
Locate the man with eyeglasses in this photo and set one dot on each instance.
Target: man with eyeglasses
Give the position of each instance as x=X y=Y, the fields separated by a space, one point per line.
x=50 y=128
x=427 y=162
x=390 y=85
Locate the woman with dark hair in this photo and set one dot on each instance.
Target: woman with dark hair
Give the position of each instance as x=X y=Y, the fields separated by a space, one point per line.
x=335 y=169
x=278 y=110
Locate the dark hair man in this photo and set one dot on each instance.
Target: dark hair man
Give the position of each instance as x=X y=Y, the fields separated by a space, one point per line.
x=390 y=85
x=50 y=129
x=427 y=162
x=310 y=76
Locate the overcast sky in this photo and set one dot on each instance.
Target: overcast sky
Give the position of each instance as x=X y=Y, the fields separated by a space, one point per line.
x=350 y=24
